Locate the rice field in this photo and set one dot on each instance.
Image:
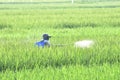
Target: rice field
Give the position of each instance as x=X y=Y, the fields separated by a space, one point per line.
x=21 y=25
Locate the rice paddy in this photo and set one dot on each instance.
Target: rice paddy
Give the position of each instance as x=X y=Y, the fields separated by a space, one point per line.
x=21 y=25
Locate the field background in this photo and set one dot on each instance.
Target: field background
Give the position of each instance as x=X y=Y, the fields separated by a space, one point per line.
x=22 y=23
x=56 y=0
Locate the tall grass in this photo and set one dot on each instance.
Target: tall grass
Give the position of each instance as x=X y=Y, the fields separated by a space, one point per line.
x=22 y=53
x=21 y=28
x=65 y=73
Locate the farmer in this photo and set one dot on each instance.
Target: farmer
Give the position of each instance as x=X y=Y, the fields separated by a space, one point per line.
x=45 y=41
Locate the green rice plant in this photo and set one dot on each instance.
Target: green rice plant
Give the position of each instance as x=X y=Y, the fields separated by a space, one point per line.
x=23 y=25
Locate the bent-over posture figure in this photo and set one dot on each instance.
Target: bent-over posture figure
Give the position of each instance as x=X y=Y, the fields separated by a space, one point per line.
x=45 y=41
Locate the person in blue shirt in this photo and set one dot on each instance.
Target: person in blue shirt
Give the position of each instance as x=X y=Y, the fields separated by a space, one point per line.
x=45 y=41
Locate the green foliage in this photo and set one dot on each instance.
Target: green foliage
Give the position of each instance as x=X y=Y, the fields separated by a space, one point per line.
x=22 y=25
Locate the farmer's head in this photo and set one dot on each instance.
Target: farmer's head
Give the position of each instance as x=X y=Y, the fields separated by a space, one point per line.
x=46 y=36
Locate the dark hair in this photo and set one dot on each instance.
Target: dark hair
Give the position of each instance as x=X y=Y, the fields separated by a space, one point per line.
x=46 y=36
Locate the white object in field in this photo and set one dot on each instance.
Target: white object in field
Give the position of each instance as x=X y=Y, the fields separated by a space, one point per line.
x=84 y=43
